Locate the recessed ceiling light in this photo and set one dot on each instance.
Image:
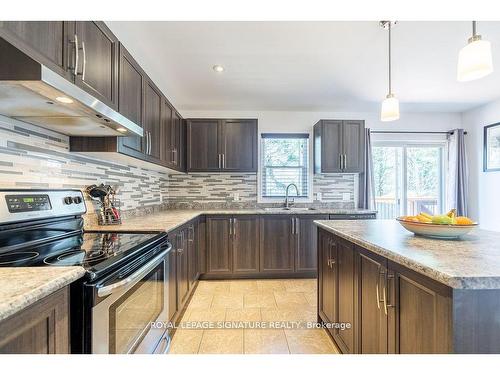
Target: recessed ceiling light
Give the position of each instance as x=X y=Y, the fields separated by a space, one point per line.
x=64 y=99
x=122 y=130
x=218 y=68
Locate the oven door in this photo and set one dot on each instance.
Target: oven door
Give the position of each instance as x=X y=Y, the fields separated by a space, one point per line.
x=132 y=310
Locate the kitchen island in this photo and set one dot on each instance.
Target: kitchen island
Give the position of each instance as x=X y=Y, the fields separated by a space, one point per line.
x=408 y=294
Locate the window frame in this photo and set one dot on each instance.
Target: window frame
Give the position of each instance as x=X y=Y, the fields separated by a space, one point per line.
x=443 y=166
x=262 y=170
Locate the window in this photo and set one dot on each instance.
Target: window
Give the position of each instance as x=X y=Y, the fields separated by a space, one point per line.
x=285 y=160
x=408 y=179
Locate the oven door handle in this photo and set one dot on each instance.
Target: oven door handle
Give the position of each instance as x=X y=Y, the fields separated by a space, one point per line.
x=136 y=276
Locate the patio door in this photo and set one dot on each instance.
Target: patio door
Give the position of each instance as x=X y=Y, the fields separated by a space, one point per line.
x=409 y=178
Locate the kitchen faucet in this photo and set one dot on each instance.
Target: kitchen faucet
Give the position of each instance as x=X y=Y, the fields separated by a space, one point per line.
x=287 y=203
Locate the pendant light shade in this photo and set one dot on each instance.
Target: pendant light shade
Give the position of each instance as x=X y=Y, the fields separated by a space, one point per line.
x=474 y=60
x=390 y=109
x=390 y=105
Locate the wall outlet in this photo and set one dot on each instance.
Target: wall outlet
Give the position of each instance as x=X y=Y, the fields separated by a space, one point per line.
x=318 y=196
x=236 y=196
x=346 y=196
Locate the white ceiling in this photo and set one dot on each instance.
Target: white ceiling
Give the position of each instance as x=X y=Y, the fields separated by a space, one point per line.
x=309 y=66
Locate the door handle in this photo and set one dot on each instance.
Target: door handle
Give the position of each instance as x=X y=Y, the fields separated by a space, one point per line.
x=297 y=228
x=390 y=280
x=234 y=227
x=381 y=273
x=293 y=225
x=84 y=67
x=75 y=42
x=223 y=161
x=218 y=160
x=230 y=227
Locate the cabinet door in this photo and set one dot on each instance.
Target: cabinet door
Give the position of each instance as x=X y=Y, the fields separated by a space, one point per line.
x=372 y=317
x=172 y=279
x=238 y=145
x=345 y=295
x=42 y=328
x=44 y=41
x=131 y=84
x=219 y=254
x=98 y=52
x=331 y=146
x=245 y=241
x=182 y=268
x=192 y=232
x=277 y=244
x=353 y=139
x=152 y=122
x=326 y=278
x=202 y=146
x=167 y=151
x=419 y=313
x=306 y=257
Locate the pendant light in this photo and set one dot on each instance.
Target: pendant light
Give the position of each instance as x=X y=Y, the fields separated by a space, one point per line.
x=390 y=105
x=474 y=60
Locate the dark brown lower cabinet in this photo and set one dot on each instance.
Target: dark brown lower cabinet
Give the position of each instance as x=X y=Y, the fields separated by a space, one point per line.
x=182 y=267
x=327 y=286
x=306 y=257
x=245 y=236
x=192 y=247
x=42 y=328
x=219 y=254
x=277 y=244
x=232 y=245
x=172 y=283
x=392 y=309
x=372 y=318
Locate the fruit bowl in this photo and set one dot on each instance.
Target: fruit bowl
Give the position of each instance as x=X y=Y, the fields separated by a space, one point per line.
x=436 y=230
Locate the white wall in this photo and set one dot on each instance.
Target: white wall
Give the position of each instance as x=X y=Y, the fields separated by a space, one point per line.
x=281 y=121
x=484 y=186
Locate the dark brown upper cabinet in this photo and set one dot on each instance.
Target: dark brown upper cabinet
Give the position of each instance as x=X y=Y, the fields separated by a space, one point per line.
x=339 y=146
x=44 y=41
x=174 y=138
x=224 y=145
x=131 y=85
x=97 y=71
x=152 y=122
x=87 y=54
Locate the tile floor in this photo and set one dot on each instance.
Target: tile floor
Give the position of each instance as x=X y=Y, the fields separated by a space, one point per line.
x=252 y=301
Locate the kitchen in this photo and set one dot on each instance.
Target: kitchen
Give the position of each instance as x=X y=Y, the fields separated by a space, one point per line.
x=230 y=201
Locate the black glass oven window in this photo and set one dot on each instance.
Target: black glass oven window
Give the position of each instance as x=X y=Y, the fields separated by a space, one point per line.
x=131 y=315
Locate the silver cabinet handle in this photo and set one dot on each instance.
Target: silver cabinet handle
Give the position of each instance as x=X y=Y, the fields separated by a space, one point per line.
x=345 y=161
x=223 y=161
x=230 y=227
x=390 y=278
x=340 y=161
x=293 y=225
x=75 y=42
x=84 y=67
x=297 y=227
x=234 y=227
x=149 y=143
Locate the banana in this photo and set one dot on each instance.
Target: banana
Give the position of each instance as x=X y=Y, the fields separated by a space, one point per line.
x=424 y=219
x=426 y=215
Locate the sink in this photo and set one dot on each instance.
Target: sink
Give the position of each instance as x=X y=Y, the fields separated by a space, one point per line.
x=283 y=209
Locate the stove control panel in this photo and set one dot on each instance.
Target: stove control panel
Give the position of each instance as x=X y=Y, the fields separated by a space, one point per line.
x=24 y=205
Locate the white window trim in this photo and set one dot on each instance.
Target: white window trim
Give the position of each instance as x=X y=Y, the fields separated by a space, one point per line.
x=309 y=198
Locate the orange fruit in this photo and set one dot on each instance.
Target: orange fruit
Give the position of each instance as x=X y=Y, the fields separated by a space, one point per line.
x=464 y=220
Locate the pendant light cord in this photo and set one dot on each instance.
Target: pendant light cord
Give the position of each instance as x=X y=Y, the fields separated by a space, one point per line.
x=390 y=83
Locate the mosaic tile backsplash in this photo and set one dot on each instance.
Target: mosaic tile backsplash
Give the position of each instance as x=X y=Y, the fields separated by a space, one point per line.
x=33 y=157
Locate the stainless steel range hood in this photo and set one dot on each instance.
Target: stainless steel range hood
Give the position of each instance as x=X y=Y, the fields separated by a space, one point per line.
x=32 y=93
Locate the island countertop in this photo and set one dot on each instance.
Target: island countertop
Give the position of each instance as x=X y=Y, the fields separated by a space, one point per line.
x=471 y=262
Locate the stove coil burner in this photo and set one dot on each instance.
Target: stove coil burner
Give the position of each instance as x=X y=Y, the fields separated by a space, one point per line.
x=74 y=257
x=13 y=257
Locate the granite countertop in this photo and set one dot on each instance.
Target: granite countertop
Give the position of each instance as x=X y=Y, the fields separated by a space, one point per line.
x=168 y=220
x=22 y=286
x=472 y=262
